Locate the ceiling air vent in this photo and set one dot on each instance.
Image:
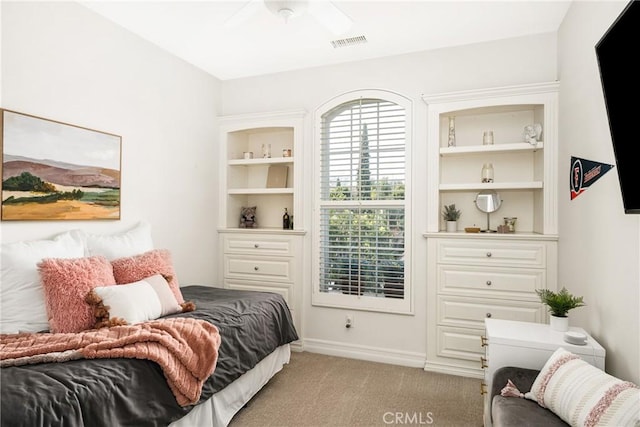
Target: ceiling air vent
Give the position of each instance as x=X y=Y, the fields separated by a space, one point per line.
x=350 y=41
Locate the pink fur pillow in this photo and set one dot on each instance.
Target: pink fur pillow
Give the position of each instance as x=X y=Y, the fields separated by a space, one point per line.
x=66 y=283
x=138 y=267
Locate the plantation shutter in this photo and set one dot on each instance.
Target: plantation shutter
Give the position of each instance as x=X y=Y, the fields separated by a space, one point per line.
x=362 y=199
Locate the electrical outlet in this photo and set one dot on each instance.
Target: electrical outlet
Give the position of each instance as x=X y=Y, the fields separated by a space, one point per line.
x=348 y=321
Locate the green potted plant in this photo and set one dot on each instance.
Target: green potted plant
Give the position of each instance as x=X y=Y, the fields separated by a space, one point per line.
x=451 y=216
x=559 y=304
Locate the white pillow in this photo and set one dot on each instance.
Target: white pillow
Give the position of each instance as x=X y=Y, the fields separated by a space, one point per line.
x=112 y=246
x=22 y=300
x=582 y=394
x=140 y=301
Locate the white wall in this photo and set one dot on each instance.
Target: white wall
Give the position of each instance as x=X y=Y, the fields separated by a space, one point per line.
x=63 y=62
x=599 y=250
x=376 y=336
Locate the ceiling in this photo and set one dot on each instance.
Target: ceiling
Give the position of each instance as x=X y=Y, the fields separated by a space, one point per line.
x=242 y=38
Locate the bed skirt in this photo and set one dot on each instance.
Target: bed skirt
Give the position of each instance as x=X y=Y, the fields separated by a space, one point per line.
x=220 y=408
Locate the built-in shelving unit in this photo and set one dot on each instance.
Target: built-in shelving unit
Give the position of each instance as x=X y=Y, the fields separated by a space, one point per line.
x=267 y=258
x=525 y=173
x=243 y=181
x=473 y=276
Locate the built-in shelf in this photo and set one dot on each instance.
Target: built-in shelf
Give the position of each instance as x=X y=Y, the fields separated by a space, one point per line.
x=261 y=161
x=493 y=148
x=245 y=182
x=531 y=185
x=260 y=191
x=262 y=230
x=520 y=235
x=525 y=174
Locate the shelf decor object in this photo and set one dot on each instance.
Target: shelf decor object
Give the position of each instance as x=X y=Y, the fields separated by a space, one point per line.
x=487 y=137
x=277 y=176
x=266 y=151
x=451 y=216
x=488 y=201
x=451 y=142
x=487 y=173
x=533 y=133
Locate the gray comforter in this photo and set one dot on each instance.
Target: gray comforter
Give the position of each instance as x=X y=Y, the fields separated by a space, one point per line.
x=132 y=392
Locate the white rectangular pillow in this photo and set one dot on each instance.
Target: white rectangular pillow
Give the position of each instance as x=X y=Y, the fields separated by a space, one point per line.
x=583 y=395
x=140 y=301
x=134 y=241
x=22 y=301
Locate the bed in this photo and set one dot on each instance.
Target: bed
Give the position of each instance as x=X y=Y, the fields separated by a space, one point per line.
x=256 y=329
x=253 y=329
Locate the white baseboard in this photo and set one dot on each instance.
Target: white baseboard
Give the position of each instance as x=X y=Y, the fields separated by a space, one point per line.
x=371 y=354
x=453 y=370
x=297 y=346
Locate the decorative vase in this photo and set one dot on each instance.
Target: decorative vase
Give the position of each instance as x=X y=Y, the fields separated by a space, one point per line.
x=452 y=226
x=560 y=324
x=451 y=141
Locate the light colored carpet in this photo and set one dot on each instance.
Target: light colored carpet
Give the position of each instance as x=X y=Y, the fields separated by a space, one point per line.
x=319 y=390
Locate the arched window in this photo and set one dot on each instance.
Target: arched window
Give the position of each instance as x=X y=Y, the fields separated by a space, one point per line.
x=362 y=146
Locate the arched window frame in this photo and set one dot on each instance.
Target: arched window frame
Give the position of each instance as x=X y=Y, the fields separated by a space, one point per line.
x=360 y=300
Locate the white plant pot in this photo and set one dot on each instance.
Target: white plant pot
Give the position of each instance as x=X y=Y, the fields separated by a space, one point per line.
x=452 y=226
x=560 y=324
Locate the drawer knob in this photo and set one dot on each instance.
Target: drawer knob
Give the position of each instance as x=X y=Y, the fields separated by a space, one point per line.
x=488 y=314
x=488 y=254
x=488 y=282
x=255 y=268
x=256 y=246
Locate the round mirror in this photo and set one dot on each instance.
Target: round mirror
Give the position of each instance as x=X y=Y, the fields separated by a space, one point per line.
x=488 y=201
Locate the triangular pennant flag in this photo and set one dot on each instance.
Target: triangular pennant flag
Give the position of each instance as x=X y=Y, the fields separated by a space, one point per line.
x=583 y=173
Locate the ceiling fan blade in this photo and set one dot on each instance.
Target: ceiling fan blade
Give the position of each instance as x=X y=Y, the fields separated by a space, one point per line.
x=329 y=15
x=244 y=13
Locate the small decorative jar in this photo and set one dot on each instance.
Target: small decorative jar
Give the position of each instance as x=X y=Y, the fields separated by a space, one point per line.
x=487 y=137
x=487 y=172
x=510 y=224
x=266 y=151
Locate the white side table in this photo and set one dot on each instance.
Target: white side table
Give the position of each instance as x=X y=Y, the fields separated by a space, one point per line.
x=527 y=345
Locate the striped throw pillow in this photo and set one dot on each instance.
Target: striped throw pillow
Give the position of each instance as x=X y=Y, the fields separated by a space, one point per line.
x=583 y=395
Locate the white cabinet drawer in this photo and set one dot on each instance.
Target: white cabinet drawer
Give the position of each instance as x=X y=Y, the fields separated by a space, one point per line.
x=492 y=282
x=270 y=269
x=491 y=252
x=470 y=312
x=258 y=245
x=460 y=343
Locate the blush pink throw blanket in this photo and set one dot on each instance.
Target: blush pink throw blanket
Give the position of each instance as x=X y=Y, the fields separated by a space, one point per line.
x=186 y=349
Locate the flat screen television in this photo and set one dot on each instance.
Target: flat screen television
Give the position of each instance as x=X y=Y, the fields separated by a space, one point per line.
x=617 y=56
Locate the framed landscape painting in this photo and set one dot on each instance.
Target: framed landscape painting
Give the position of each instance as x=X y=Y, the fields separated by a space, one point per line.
x=57 y=171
